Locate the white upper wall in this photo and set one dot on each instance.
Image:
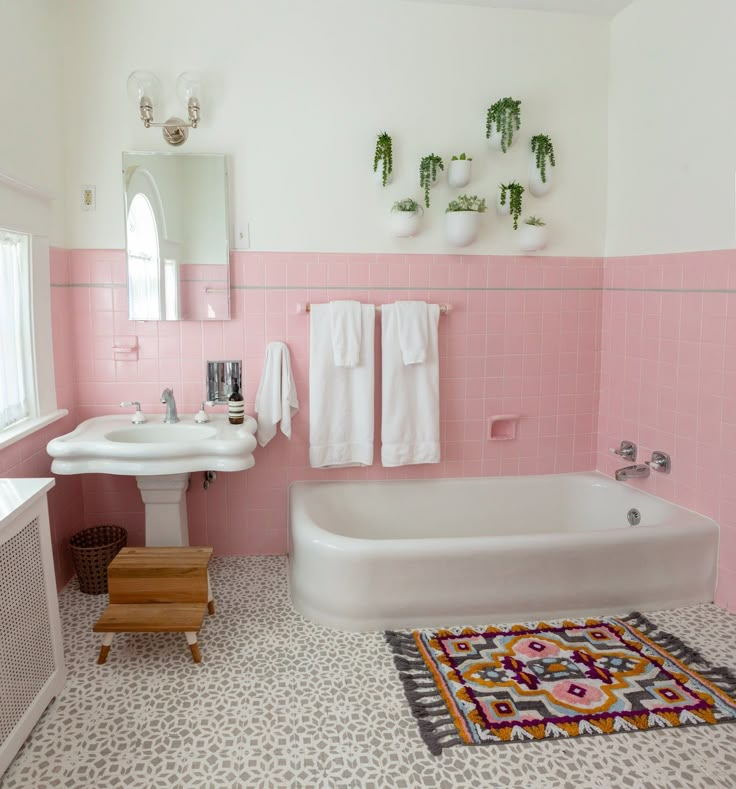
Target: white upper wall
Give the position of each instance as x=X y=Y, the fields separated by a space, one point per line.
x=672 y=116
x=31 y=130
x=298 y=91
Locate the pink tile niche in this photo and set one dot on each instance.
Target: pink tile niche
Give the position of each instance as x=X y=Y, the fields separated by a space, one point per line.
x=534 y=352
x=668 y=382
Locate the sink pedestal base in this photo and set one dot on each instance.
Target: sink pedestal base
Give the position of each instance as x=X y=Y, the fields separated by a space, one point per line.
x=166 y=509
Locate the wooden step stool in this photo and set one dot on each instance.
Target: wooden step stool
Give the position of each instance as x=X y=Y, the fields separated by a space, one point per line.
x=157 y=590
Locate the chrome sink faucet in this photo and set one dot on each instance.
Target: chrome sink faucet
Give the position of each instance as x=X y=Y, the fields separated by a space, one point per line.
x=167 y=397
x=638 y=471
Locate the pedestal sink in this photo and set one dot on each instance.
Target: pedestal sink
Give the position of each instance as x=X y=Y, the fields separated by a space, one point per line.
x=160 y=456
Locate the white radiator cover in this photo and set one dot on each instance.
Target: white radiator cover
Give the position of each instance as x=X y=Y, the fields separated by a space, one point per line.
x=31 y=653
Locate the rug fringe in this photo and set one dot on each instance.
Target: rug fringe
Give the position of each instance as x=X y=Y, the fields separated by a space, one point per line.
x=722 y=677
x=436 y=726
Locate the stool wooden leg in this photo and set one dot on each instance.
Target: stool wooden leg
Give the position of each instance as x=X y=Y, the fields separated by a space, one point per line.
x=210 y=600
x=105 y=648
x=194 y=646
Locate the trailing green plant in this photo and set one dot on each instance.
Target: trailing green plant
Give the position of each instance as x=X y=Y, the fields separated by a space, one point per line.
x=384 y=154
x=467 y=203
x=408 y=205
x=462 y=158
x=534 y=221
x=428 y=168
x=513 y=191
x=542 y=149
x=505 y=114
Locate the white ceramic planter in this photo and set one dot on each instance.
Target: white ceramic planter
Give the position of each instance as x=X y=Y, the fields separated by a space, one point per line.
x=503 y=210
x=538 y=187
x=532 y=238
x=404 y=224
x=458 y=173
x=461 y=227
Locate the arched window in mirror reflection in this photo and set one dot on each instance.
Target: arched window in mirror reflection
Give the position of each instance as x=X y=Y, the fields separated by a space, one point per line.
x=153 y=282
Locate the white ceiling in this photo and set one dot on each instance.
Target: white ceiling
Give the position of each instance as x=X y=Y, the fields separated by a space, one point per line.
x=606 y=8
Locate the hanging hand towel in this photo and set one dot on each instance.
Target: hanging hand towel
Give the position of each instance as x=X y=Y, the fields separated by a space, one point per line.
x=413 y=318
x=345 y=318
x=410 y=428
x=340 y=398
x=276 y=400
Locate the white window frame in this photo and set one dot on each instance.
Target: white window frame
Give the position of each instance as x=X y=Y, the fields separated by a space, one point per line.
x=26 y=210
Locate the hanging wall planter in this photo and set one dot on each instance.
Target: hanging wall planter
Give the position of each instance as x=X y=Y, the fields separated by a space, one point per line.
x=533 y=235
x=429 y=169
x=384 y=157
x=462 y=218
x=509 y=201
x=405 y=216
x=502 y=119
x=542 y=159
x=459 y=170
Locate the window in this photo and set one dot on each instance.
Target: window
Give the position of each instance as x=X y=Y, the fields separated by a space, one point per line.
x=143 y=261
x=17 y=388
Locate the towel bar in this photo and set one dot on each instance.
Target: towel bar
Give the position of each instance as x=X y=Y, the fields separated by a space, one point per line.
x=444 y=308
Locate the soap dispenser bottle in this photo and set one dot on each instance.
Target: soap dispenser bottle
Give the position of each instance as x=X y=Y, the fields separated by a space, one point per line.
x=236 y=406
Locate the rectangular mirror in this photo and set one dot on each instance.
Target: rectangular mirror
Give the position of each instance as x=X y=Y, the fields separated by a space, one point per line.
x=176 y=236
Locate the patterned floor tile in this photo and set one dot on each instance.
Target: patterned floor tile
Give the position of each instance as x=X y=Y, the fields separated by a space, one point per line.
x=279 y=702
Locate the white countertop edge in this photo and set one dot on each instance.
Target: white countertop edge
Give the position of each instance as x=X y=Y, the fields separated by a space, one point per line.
x=18 y=494
x=25 y=427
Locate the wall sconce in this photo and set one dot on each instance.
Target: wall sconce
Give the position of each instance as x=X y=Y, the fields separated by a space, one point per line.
x=144 y=89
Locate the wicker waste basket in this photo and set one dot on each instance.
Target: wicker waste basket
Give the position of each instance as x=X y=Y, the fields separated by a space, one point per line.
x=92 y=551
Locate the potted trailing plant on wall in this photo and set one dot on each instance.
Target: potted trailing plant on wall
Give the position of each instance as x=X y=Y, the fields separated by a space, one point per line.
x=405 y=217
x=509 y=200
x=458 y=172
x=533 y=235
x=539 y=174
x=503 y=118
x=462 y=218
x=384 y=155
x=429 y=169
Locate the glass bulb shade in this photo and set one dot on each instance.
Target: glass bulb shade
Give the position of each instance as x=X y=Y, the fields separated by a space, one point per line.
x=144 y=83
x=189 y=86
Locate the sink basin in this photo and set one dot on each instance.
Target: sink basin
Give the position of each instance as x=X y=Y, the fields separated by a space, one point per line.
x=112 y=445
x=157 y=434
x=160 y=456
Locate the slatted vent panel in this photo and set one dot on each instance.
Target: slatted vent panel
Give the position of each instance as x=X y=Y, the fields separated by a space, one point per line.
x=26 y=652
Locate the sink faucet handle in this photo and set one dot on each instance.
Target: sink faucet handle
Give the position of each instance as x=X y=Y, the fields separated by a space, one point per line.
x=138 y=417
x=203 y=416
x=627 y=450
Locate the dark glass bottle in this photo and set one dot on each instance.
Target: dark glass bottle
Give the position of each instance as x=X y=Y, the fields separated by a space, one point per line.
x=236 y=407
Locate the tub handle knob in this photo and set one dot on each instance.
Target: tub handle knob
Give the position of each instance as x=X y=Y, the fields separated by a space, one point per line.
x=627 y=450
x=661 y=462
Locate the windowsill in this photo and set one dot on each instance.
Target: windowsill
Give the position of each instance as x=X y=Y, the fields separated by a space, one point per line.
x=27 y=426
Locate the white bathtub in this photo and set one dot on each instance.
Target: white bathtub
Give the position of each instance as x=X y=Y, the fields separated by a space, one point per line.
x=374 y=555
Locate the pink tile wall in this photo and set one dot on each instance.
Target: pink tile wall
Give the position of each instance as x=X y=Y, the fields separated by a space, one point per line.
x=668 y=381
x=28 y=458
x=523 y=337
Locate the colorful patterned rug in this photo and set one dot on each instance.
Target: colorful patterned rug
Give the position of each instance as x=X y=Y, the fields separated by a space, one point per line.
x=526 y=683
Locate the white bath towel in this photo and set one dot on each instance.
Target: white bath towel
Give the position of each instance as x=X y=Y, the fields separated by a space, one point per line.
x=413 y=318
x=276 y=400
x=410 y=428
x=345 y=317
x=340 y=398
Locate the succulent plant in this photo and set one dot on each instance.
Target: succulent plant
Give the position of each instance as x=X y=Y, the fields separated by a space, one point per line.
x=467 y=203
x=513 y=191
x=428 y=168
x=462 y=158
x=384 y=154
x=534 y=221
x=408 y=205
x=505 y=115
x=542 y=149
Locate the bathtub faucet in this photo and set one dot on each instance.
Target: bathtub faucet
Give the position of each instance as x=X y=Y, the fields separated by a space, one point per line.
x=639 y=471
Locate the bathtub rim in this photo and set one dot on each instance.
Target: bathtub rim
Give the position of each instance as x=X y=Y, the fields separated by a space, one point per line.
x=318 y=534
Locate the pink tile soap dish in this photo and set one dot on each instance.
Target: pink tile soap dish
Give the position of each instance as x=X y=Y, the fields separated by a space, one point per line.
x=503 y=427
